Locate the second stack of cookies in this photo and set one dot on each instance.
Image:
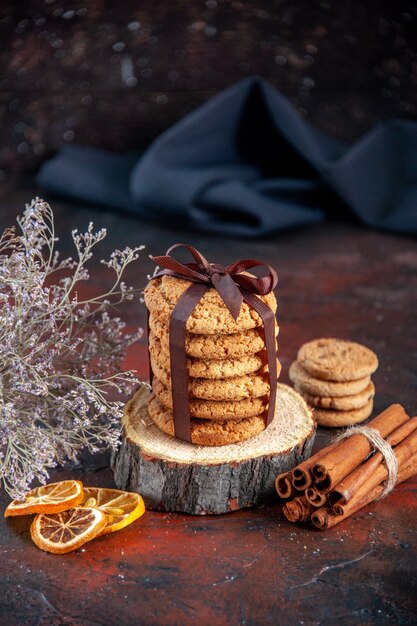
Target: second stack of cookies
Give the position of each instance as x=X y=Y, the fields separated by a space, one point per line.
x=226 y=362
x=334 y=377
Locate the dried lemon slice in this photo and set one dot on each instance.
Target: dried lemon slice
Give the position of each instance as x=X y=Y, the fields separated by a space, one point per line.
x=121 y=507
x=51 y=498
x=66 y=531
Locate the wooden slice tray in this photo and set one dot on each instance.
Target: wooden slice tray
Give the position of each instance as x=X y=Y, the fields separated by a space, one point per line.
x=173 y=475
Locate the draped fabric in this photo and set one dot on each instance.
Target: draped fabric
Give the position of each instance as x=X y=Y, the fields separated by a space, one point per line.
x=246 y=163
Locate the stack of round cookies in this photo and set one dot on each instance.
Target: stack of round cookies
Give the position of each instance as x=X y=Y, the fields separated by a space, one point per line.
x=227 y=365
x=334 y=377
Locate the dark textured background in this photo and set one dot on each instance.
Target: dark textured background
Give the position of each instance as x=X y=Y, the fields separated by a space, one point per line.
x=115 y=74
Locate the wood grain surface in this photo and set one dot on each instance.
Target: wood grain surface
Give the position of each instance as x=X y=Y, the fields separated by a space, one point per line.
x=174 y=476
x=250 y=567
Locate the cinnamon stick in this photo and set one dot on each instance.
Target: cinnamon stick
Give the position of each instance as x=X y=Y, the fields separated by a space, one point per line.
x=298 y=509
x=350 y=485
x=315 y=498
x=340 y=461
x=284 y=486
x=404 y=451
x=301 y=475
x=324 y=518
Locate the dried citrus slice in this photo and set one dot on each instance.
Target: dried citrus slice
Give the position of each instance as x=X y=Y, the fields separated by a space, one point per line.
x=51 y=498
x=121 y=507
x=66 y=531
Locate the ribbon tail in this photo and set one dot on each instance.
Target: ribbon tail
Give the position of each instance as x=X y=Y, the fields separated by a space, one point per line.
x=148 y=330
x=229 y=293
x=178 y=358
x=268 y=319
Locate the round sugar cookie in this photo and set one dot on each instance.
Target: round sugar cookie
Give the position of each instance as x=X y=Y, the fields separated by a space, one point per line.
x=211 y=369
x=344 y=403
x=210 y=316
x=325 y=388
x=337 y=359
x=234 y=388
x=212 y=409
x=207 y=432
x=335 y=419
x=218 y=346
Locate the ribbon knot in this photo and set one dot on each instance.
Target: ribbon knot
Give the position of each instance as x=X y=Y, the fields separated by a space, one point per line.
x=234 y=286
x=228 y=281
x=216 y=269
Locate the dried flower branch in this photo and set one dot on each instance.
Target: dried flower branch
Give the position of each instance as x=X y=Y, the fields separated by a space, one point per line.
x=59 y=356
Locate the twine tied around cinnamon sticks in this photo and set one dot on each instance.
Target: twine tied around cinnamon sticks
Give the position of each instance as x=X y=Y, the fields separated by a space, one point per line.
x=352 y=471
x=378 y=443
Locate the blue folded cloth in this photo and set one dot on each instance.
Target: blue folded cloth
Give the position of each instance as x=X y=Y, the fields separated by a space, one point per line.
x=246 y=163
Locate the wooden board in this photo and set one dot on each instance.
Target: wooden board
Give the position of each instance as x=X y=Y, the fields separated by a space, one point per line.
x=173 y=475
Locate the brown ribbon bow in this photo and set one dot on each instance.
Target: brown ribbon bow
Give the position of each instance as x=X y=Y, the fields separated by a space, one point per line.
x=234 y=288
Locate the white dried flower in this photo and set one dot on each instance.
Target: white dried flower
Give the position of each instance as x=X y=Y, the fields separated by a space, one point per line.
x=59 y=355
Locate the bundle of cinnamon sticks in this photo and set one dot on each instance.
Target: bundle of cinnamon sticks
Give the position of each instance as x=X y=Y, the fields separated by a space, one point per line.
x=347 y=475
